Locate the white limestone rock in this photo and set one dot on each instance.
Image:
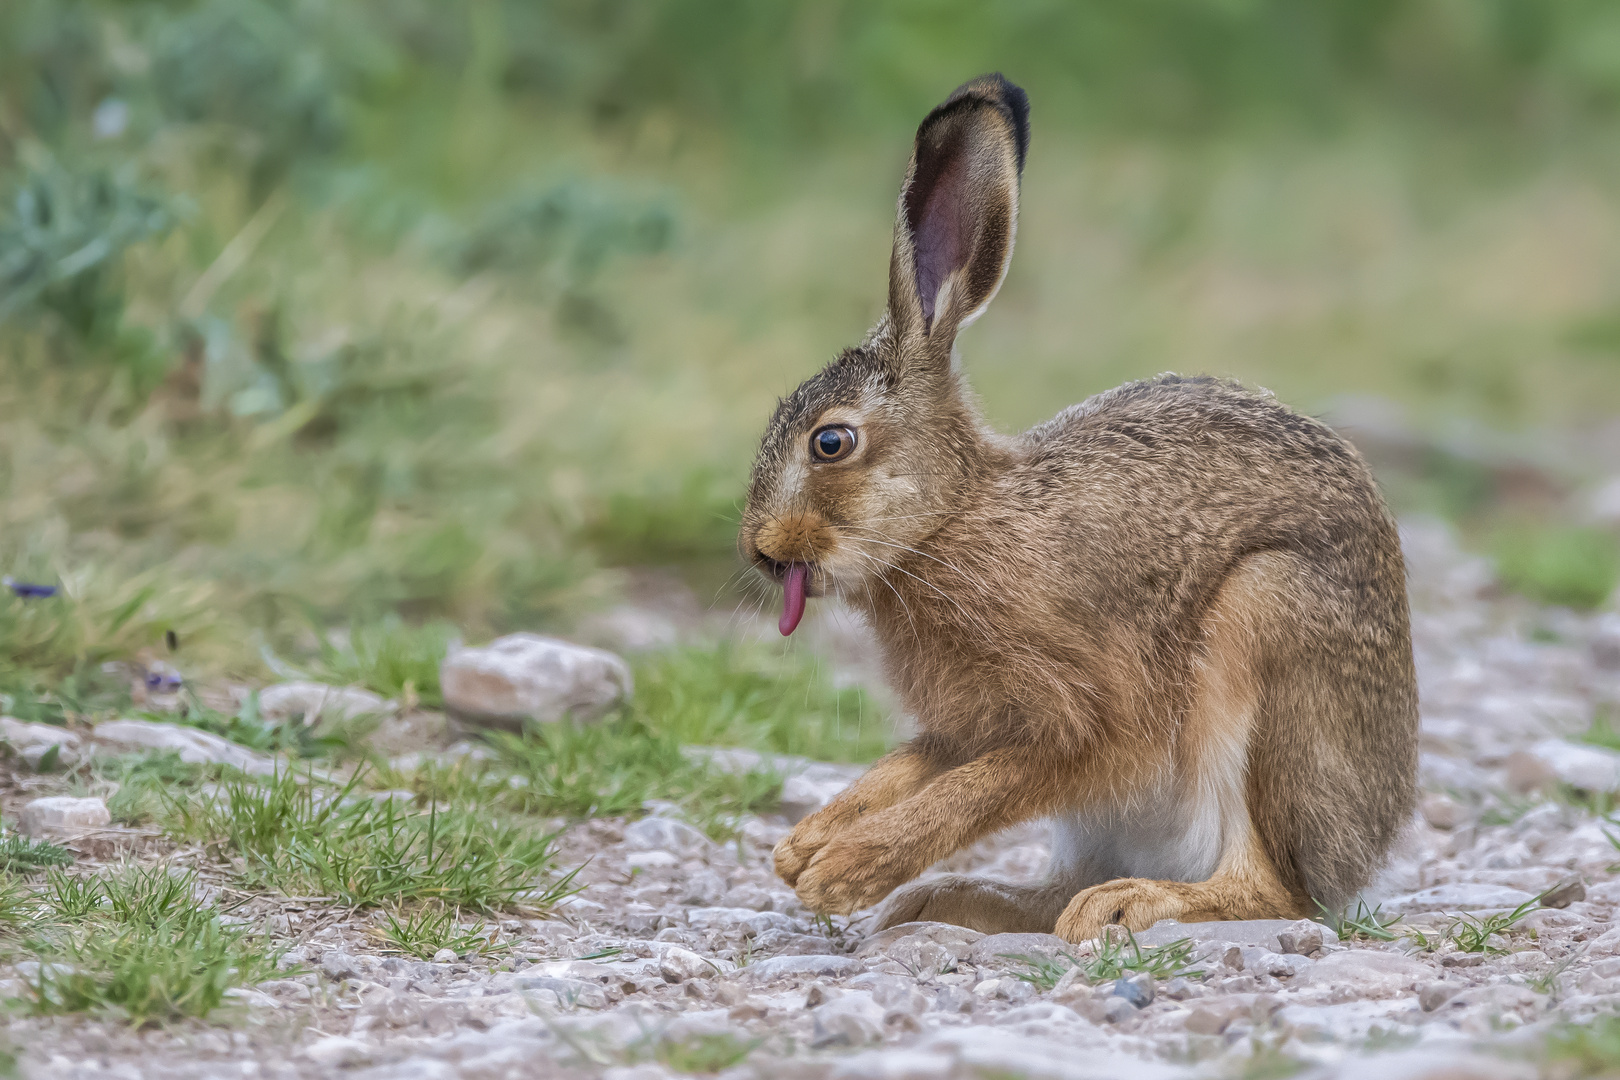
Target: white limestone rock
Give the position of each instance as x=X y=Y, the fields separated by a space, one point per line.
x=803 y=967
x=62 y=814
x=195 y=747
x=1263 y=933
x=1004 y=950
x=666 y=834
x=679 y=965
x=1366 y=973
x=1590 y=768
x=32 y=742
x=851 y=1019
x=528 y=677
x=1458 y=896
x=311 y=702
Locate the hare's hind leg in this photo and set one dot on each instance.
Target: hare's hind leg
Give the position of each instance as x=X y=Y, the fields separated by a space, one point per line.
x=1214 y=758
x=1247 y=886
x=982 y=904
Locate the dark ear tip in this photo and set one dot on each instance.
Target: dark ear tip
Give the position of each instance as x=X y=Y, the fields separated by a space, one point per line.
x=1006 y=97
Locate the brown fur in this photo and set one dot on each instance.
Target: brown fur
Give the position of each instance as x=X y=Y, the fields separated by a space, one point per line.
x=1085 y=616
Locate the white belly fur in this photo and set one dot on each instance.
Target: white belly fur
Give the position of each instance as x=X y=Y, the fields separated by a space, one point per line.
x=1179 y=830
x=1167 y=838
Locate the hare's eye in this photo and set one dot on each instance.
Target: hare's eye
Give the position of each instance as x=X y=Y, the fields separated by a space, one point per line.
x=832 y=443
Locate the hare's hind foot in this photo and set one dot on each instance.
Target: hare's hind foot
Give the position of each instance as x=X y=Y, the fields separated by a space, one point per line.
x=1245 y=887
x=982 y=904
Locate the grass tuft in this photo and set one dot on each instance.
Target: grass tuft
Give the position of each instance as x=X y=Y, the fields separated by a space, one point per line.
x=1364 y=924
x=389 y=656
x=1571 y=566
x=1590 y=1049
x=145 y=783
x=302 y=837
x=136 y=943
x=432 y=927
x=1113 y=957
x=705 y=1054
x=20 y=854
x=1475 y=933
x=608 y=769
x=735 y=695
x=616 y=768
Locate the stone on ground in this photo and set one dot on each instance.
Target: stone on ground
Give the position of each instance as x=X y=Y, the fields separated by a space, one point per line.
x=62 y=814
x=195 y=747
x=528 y=677
x=32 y=742
x=1586 y=768
x=311 y=702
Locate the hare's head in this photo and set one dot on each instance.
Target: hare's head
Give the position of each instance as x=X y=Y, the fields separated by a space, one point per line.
x=870 y=456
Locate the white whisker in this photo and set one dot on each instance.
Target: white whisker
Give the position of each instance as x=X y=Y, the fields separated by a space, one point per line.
x=924 y=554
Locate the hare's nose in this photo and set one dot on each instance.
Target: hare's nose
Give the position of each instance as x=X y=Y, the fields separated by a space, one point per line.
x=795 y=538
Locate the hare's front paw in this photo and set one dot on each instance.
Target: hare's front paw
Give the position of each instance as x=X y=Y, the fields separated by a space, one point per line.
x=851 y=873
x=1134 y=903
x=795 y=850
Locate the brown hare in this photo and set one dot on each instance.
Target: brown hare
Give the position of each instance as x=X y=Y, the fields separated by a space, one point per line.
x=1173 y=618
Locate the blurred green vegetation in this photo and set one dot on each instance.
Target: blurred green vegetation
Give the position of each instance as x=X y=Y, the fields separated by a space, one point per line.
x=387 y=309
x=1568 y=565
x=734 y=695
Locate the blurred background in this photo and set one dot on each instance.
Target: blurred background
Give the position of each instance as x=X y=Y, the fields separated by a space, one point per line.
x=424 y=320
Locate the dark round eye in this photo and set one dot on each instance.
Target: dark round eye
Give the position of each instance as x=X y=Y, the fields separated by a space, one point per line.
x=832 y=443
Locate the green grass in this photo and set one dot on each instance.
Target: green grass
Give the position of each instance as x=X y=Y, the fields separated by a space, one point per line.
x=736 y=695
x=1268 y=1061
x=1574 y=567
x=1475 y=933
x=146 y=783
x=135 y=943
x=606 y=769
x=1602 y=732
x=1363 y=924
x=703 y=1054
x=97 y=614
x=1113 y=957
x=1590 y=1049
x=423 y=932
x=301 y=837
x=390 y=657
x=20 y=854
x=1470 y=933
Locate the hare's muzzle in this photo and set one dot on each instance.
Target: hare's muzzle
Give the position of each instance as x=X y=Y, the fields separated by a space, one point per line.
x=789 y=547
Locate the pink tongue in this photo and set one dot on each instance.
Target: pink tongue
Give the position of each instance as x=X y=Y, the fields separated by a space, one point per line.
x=793 y=598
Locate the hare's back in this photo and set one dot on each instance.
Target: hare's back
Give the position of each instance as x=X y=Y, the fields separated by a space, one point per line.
x=1192 y=473
x=1193 y=414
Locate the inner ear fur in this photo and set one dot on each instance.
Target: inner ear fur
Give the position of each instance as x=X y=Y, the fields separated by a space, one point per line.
x=958 y=210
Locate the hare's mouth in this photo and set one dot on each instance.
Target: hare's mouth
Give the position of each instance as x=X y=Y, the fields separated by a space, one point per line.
x=798 y=581
x=814 y=585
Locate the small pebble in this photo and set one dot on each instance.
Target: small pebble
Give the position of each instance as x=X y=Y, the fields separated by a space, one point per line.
x=1137 y=989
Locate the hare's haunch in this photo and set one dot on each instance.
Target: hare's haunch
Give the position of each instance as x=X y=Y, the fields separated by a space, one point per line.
x=1172 y=618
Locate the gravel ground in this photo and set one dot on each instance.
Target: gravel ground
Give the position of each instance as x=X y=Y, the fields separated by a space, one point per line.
x=683 y=955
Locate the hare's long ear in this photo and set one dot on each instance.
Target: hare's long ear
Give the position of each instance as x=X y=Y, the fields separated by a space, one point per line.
x=958 y=211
